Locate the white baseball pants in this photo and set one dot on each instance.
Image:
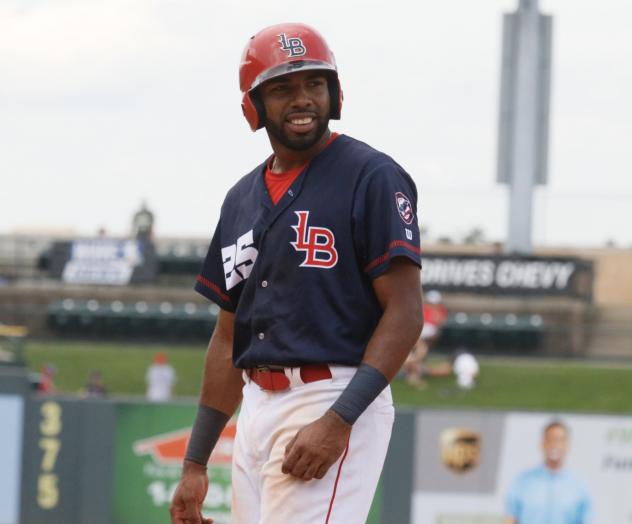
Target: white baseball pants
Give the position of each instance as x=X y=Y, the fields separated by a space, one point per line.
x=268 y=420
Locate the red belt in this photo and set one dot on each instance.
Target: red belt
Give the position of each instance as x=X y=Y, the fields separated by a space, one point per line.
x=274 y=379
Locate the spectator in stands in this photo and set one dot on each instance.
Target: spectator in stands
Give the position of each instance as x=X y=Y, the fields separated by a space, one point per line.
x=550 y=492
x=160 y=378
x=46 y=384
x=143 y=223
x=465 y=368
x=94 y=388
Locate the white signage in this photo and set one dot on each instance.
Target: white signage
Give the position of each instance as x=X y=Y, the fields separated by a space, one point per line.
x=102 y=261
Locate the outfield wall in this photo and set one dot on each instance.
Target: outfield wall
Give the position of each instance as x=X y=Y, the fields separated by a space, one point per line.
x=72 y=461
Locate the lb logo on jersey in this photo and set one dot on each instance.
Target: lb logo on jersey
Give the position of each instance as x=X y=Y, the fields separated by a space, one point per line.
x=238 y=260
x=404 y=208
x=318 y=243
x=293 y=46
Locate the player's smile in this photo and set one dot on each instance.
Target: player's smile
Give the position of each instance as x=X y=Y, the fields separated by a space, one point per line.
x=301 y=123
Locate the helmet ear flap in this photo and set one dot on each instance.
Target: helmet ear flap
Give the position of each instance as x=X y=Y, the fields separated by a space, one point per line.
x=335 y=97
x=253 y=110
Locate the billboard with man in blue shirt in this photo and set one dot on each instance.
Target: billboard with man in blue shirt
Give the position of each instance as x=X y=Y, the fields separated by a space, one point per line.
x=549 y=493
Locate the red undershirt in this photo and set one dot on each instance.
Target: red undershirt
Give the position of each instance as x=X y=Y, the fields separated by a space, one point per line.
x=279 y=183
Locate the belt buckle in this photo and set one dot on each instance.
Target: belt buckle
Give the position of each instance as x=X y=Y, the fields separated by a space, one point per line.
x=268 y=367
x=276 y=380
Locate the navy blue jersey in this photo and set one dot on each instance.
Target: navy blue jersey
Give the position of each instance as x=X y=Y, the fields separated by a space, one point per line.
x=298 y=274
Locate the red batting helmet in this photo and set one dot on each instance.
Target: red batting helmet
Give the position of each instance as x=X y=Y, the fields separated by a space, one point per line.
x=278 y=50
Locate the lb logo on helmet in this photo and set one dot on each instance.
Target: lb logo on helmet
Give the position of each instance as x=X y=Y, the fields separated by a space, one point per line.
x=293 y=46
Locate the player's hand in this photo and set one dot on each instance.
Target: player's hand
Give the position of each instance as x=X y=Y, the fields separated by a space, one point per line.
x=316 y=447
x=186 y=506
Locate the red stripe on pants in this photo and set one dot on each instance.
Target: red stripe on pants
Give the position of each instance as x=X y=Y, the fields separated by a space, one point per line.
x=333 y=495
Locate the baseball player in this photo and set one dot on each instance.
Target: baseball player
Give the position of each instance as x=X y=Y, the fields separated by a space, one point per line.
x=315 y=264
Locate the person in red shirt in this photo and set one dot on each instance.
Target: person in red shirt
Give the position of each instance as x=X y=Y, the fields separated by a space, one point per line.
x=435 y=315
x=46 y=383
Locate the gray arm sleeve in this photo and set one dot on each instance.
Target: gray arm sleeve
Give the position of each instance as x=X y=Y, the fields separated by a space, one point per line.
x=363 y=389
x=207 y=428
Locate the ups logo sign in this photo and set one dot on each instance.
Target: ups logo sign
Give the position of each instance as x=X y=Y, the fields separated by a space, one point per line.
x=460 y=449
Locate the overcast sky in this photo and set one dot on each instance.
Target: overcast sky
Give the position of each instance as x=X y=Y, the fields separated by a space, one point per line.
x=104 y=103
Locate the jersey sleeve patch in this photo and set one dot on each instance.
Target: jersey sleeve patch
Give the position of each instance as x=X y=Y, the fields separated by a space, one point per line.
x=404 y=208
x=385 y=219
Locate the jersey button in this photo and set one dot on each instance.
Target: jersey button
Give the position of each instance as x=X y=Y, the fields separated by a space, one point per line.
x=261 y=336
x=264 y=283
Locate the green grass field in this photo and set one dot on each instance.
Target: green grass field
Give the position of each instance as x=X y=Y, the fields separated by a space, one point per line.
x=578 y=386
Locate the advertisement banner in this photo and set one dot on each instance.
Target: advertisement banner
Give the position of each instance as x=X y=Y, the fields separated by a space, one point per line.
x=11 y=415
x=104 y=261
x=466 y=462
x=150 y=444
x=508 y=275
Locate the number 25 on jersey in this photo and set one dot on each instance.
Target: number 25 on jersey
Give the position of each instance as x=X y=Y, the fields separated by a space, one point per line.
x=238 y=260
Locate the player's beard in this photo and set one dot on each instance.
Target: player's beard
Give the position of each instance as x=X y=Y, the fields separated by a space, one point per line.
x=300 y=142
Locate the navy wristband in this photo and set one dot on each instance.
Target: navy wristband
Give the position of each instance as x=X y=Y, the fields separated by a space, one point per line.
x=207 y=428
x=363 y=389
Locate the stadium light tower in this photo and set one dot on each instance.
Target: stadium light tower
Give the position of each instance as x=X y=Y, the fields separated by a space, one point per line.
x=523 y=131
